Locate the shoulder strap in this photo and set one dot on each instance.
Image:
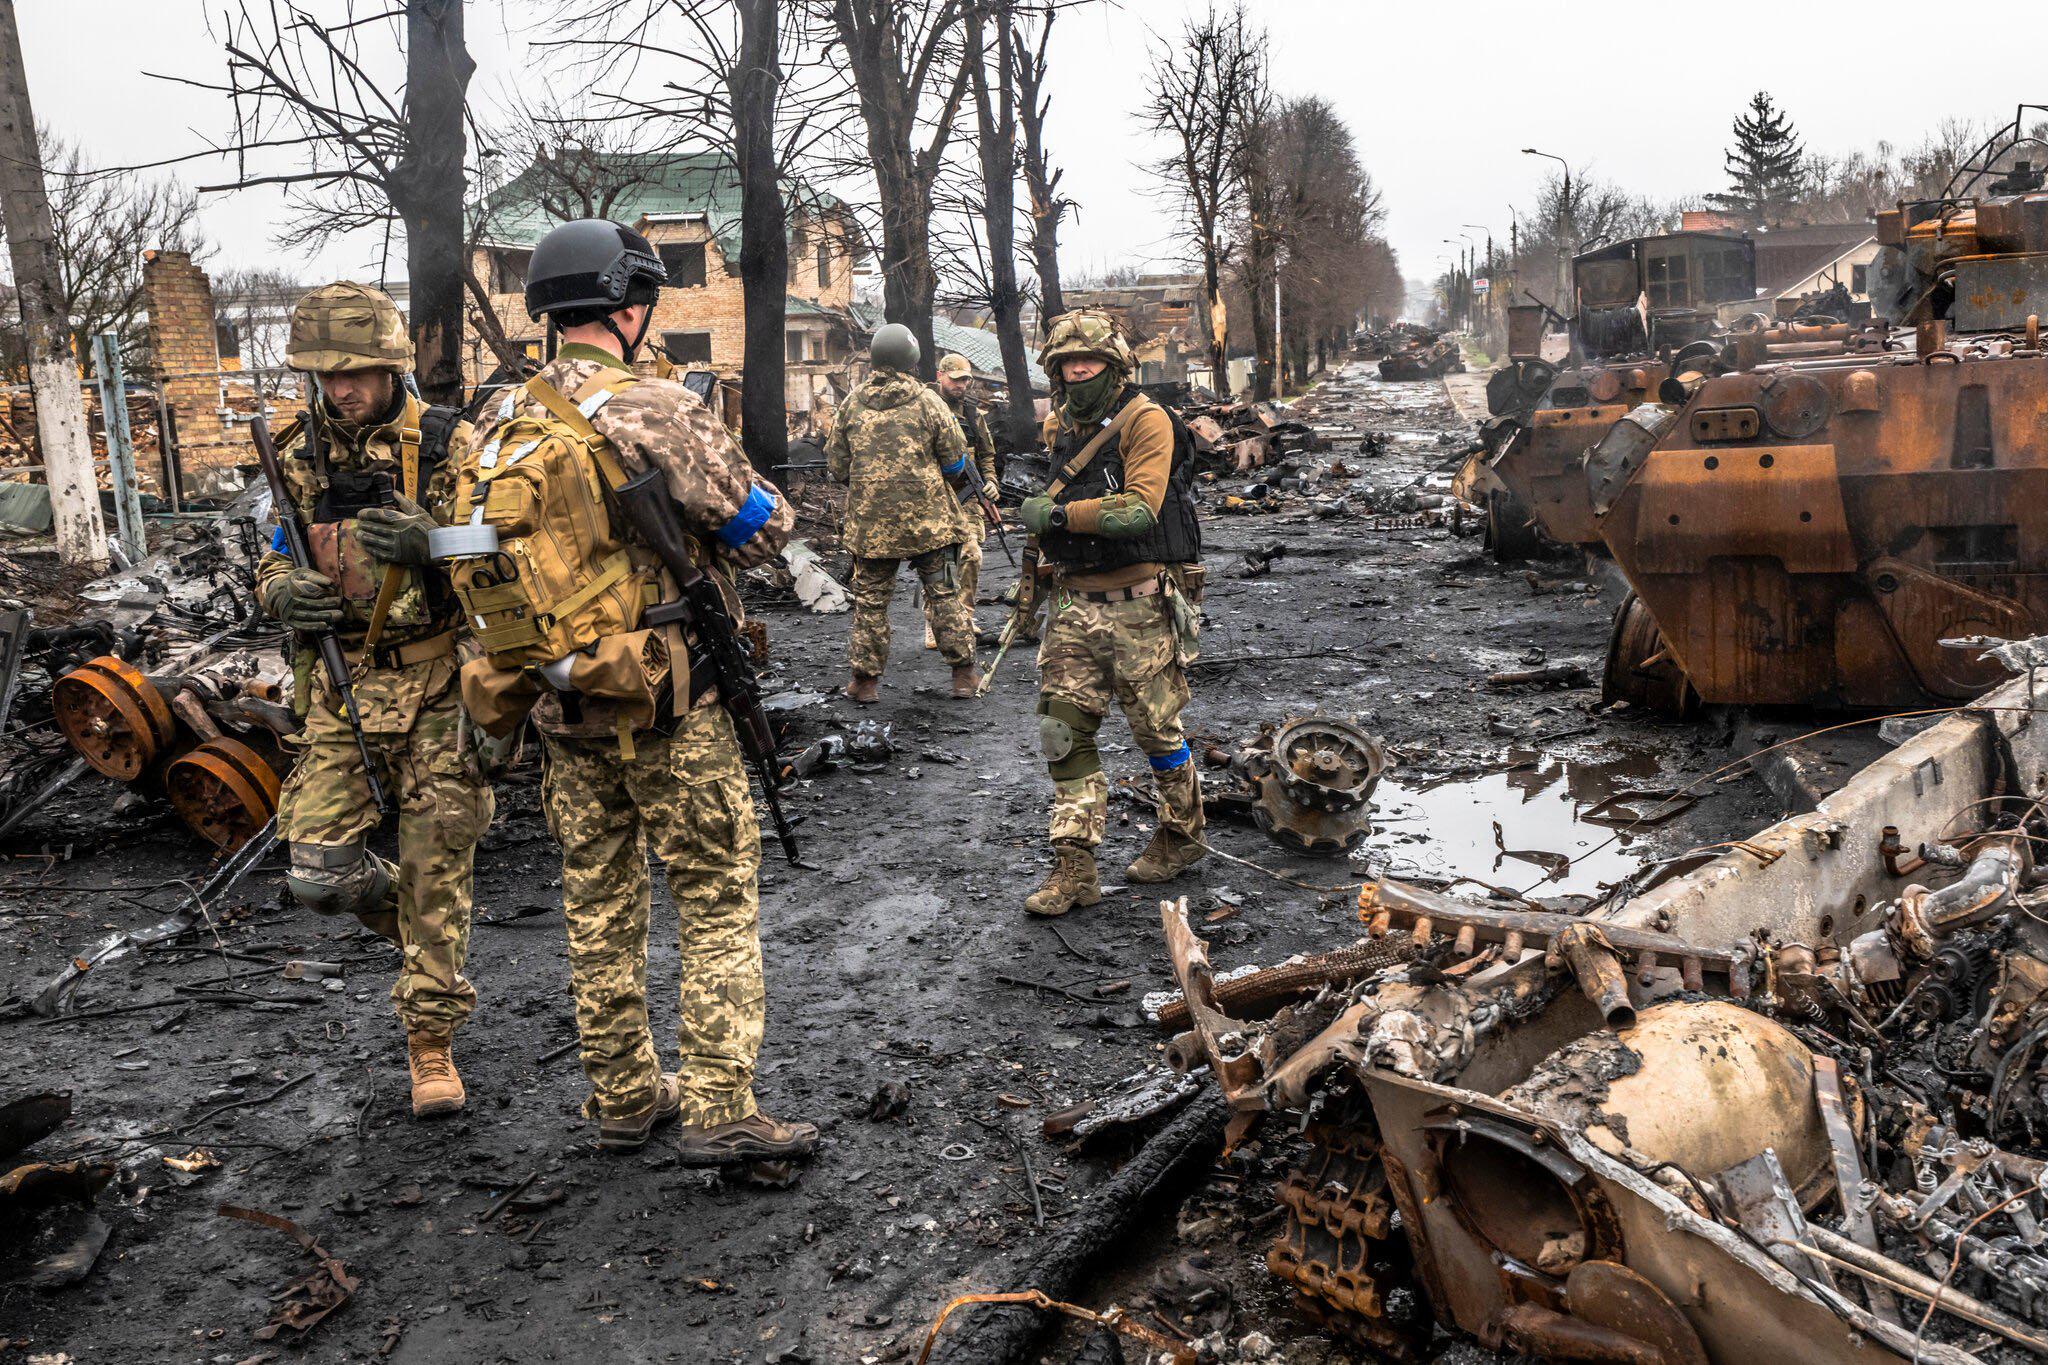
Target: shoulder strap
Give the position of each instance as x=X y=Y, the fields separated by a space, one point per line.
x=576 y=417
x=1087 y=453
x=437 y=429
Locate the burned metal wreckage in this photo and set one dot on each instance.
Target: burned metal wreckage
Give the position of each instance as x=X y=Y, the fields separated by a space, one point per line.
x=1795 y=1094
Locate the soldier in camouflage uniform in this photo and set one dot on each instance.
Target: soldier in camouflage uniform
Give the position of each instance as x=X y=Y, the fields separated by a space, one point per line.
x=903 y=456
x=677 y=787
x=955 y=378
x=1119 y=532
x=365 y=433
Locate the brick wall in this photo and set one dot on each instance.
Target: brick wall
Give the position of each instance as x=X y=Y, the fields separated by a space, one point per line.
x=181 y=337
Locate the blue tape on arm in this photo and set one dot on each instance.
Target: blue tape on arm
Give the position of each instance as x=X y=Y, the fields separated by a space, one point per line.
x=748 y=521
x=279 y=543
x=958 y=466
x=1166 y=763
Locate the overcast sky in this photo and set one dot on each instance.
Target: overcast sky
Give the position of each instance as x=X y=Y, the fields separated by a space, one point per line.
x=1440 y=97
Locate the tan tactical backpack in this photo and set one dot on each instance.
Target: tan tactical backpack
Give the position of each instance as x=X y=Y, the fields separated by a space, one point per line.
x=562 y=577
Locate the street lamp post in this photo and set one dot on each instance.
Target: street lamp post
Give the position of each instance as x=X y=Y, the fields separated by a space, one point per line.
x=1492 y=288
x=1564 y=205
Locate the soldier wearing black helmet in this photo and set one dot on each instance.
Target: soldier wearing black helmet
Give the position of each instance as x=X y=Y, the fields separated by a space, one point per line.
x=640 y=757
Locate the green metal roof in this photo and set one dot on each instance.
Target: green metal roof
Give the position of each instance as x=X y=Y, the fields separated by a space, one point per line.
x=703 y=183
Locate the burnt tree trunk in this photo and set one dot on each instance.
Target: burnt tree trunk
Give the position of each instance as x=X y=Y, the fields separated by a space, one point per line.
x=1258 y=288
x=996 y=119
x=1215 y=319
x=755 y=83
x=889 y=91
x=1041 y=180
x=427 y=190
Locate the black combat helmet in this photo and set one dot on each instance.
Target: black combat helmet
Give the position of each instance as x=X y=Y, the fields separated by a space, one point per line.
x=591 y=264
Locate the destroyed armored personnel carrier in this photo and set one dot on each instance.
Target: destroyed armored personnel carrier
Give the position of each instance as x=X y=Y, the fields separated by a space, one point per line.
x=1790 y=1101
x=1808 y=515
x=1635 y=303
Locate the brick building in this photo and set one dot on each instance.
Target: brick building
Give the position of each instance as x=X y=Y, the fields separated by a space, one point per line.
x=689 y=207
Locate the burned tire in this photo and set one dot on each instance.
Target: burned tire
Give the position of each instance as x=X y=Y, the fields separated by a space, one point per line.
x=1342 y=1246
x=1511 y=533
x=1641 y=669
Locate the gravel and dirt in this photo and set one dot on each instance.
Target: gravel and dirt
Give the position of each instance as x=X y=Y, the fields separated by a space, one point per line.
x=915 y=1012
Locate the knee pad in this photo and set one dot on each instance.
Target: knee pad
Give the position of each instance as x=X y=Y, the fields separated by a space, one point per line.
x=1066 y=735
x=338 y=879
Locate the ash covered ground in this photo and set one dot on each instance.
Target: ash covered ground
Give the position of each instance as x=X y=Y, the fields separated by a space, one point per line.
x=915 y=1012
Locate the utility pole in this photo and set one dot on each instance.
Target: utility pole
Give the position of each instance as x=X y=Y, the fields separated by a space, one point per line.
x=53 y=374
x=1279 y=346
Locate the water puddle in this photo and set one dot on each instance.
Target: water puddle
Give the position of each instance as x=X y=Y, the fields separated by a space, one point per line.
x=1446 y=828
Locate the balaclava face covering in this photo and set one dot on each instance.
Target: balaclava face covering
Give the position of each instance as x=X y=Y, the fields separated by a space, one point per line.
x=1088 y=399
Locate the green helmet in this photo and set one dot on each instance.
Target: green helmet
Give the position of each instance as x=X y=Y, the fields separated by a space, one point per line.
x=894 y=347
x=348 y=326
x=1085 y=332
x=953 y=365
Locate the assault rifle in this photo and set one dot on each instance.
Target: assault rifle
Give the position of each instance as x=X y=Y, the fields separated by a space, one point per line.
x=701 y=610
x=327 y=644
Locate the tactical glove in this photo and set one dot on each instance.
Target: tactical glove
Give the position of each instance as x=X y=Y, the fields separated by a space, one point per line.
x=396 y=534
x=1036 y=514
x=991 y=490
x=304 y=600
x=494 y=755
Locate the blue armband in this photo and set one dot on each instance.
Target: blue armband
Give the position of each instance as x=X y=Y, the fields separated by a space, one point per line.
x=1166 y=763
x=278 y=543
x=748 y=521
x=955 y=469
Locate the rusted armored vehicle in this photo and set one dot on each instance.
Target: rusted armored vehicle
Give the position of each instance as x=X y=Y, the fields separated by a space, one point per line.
x=1413 y=357
x=1786 y=1105
x=1636 y=303
x=1806 y=517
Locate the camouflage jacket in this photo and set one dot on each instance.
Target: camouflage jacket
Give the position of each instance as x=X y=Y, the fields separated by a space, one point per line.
x=421 y=607
x=891 y=444
x=973 y=420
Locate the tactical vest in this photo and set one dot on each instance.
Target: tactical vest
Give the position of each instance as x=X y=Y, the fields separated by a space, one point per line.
x=1175 y=538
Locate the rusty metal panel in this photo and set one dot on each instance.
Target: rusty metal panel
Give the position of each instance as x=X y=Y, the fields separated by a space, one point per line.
x=1782 y=503
x=1994 y=292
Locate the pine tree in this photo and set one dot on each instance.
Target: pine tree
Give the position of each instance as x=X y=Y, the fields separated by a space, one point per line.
x=1766 y=166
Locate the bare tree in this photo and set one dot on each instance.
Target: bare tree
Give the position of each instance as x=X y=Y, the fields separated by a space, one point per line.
x=897 y=54
x=573 y=163
x=1029 y=43
x=1205 y=90
x=256 y=301
x=104 y=221
x=359 y=156
x=995 y=107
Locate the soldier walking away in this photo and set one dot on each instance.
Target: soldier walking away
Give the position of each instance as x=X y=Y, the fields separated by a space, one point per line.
x=369 y=471
x=1116 y=526
x=639 y=753
x=956 y=378
x=899 y=450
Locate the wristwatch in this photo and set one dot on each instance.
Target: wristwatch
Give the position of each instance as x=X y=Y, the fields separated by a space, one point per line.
x=1057 y=518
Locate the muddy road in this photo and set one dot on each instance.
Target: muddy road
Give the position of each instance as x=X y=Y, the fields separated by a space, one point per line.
x=915 y=1012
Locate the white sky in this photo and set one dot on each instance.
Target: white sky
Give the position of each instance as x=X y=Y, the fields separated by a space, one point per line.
x=1440 y=97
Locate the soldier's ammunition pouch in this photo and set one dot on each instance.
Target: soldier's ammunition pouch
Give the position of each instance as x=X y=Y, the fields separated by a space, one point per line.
x=338 y=879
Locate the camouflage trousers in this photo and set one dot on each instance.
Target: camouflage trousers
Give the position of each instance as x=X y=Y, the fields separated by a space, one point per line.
x=444 y=806
x=970 y=584
x=874 y=584
x=685 y=796
x=1095 y=653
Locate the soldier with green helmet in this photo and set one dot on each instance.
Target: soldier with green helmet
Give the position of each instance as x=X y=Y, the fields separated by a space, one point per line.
x=954 y=385
x=1117 y=531
x=903 y=457
x=368 y=468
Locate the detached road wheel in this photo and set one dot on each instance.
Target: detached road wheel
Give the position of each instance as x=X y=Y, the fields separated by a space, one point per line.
x=1511 y=532
x=1641 y=669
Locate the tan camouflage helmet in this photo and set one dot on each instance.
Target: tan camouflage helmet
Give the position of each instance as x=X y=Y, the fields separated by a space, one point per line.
x=953 y=365
x=348 y=326
x=1084 y=332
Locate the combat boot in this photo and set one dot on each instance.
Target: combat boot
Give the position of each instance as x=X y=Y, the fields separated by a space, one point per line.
x=1073 y=883
x=966 y=681
x=436 y=1088
x=865 y=689
x=758 y=1138
x=630 y=1134
x=1168 y=855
